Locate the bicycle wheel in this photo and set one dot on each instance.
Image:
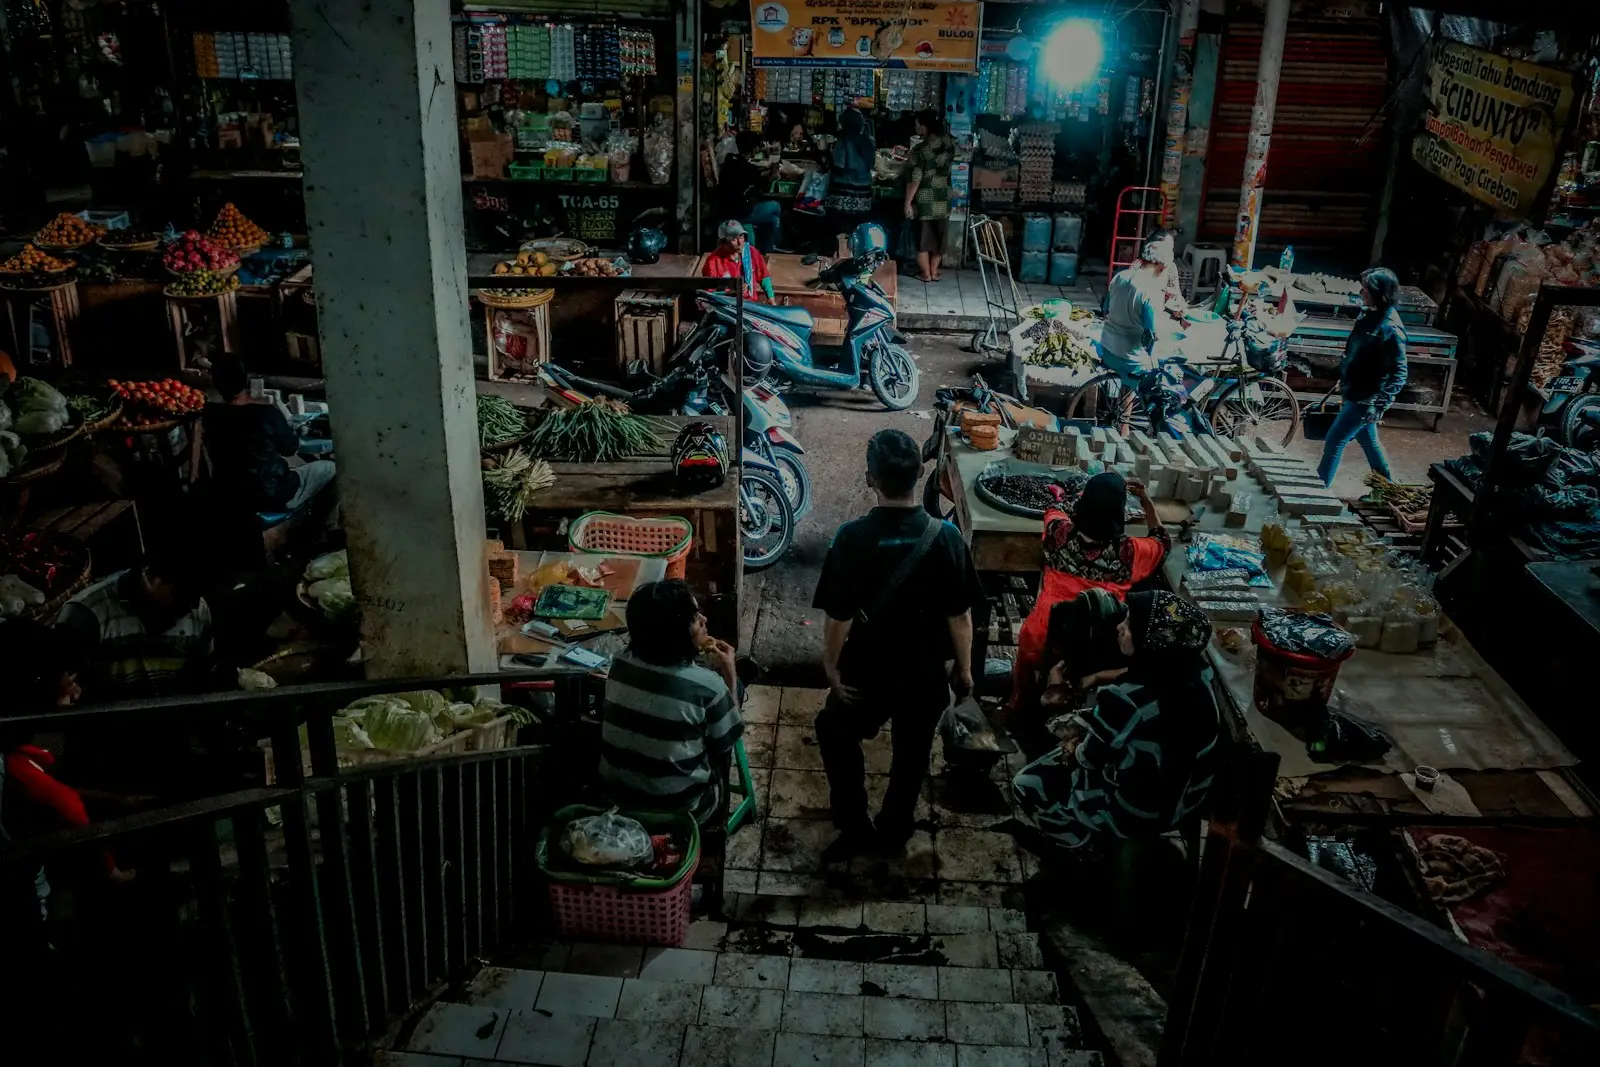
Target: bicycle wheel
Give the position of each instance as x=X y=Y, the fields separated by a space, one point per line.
x=1104 y=406
x=1260 y=407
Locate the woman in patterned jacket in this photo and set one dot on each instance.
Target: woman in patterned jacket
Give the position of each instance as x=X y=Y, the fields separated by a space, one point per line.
x=1139 y=759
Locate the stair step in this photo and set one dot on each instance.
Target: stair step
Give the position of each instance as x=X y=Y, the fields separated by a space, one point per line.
x=753 y=1028
x=1009 y=951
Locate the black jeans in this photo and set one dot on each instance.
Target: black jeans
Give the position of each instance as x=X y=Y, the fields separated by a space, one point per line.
x=840 y=730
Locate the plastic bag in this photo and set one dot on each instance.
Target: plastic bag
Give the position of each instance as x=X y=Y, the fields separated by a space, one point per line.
x=39 y=421
x=1344 y=737
x=813 y=191
x=1307 y=633
x=249 y=678
x=609 y=840
x=965 y=726
x=5 y=416
x=13 y=586
x=348 y=734
x=1225 y=552
x=332 y=565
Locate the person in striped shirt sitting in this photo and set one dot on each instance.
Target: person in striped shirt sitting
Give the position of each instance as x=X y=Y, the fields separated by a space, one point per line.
x=669 y=724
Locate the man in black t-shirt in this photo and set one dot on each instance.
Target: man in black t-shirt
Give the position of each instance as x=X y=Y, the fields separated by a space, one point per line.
x=890 y=665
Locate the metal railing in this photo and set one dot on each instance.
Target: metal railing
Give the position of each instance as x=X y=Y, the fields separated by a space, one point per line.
x=291 y=924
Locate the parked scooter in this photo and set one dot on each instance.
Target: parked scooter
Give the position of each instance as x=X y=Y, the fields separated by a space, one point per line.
x=873 y=347
x=1573 y=410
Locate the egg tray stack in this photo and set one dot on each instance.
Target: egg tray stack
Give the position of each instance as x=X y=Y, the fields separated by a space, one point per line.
x=1037 y=148
x=1071 y=193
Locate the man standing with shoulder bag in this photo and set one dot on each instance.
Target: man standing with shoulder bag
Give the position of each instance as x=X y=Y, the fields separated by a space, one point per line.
x=898 y=588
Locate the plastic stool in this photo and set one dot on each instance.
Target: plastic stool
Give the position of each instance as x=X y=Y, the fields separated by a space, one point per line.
x=746 y=789
x=1198 y=258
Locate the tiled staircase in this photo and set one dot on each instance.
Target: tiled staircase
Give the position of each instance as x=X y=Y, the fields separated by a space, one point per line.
x=786 y=983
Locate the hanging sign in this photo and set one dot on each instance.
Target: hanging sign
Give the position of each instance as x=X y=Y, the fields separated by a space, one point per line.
x=914 y=34
x=1493 y=125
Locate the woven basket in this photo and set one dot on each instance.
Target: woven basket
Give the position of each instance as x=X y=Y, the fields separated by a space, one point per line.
x=186 y=273
x=559 y=249
x=71 y=277
x=158 y=426
x=59 y=439
x=137 y=246
x=491 y=298
x=606 y=533
x=32 y=471
x=106 y=420
x=293 y=663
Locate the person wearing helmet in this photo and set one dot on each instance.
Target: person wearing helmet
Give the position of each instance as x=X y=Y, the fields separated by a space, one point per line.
x=735 y=257
x=1370 y=377
x=1142 y=302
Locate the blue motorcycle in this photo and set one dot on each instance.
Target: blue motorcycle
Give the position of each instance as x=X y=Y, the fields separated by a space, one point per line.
x=873 y=348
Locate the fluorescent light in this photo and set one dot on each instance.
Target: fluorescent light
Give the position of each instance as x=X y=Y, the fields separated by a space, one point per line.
x=1072 y=53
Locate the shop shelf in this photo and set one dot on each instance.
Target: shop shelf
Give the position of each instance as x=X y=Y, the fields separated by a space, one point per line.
x=527 y=172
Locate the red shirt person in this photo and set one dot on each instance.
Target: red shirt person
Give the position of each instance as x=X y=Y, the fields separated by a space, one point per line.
x=736 y=257
x=1086 y=550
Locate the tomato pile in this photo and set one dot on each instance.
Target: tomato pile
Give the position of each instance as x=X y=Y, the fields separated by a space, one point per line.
x=168 y=395
x=67 y=230
x=195 y=251
x=233 y=230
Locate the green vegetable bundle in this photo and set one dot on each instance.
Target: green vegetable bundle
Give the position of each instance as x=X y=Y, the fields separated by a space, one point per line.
x=499 y=420
x=511 y=484
x=598 y=431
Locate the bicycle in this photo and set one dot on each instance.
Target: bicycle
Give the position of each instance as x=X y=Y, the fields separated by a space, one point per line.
x=1240 y=394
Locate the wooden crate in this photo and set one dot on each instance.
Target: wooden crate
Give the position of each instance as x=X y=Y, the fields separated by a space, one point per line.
x=647 y=328
x=496 y=734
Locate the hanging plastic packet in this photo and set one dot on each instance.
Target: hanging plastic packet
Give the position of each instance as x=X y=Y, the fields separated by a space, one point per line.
x=1306 y=633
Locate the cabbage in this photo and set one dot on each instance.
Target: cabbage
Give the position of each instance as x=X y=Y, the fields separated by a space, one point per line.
x=337 y=604
x=317 y=590
x=466 y=716
x=39 y=421
x=397 y=727
x=30 y=394
x=5 y=416
x=348 y=734
x=333 y=565
x=430 y=702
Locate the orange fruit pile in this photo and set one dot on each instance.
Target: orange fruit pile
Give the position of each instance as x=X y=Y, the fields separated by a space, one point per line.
x=68 y=230
x=232 y=230
x=32 y=259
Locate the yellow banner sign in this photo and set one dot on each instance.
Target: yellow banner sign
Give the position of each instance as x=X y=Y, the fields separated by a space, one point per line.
x=1493 y=125
x=916 y=34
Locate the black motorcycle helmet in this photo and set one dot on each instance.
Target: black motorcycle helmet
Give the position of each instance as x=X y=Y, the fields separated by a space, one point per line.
x=699 y=458
x=757 y=356
x=645 y=244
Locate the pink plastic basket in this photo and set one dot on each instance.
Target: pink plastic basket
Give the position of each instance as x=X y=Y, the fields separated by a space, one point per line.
x=618 y=913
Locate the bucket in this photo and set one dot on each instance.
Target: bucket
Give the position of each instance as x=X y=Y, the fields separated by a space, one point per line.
x=1292 y=688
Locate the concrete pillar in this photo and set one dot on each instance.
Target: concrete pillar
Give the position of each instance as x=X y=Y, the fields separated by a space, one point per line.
x=383 y=209
x=1260 y=134
x=1178 y=109
x=1205 y=63
x=687 y=58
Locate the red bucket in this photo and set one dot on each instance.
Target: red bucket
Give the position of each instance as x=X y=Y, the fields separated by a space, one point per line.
x=1292 y=688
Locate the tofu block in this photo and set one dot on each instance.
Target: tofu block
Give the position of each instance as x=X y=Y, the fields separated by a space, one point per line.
x=1220 y=499
x=1230 y=446
x=1238 y=513
x=1160 y=481
x=1141 y=443
x=1083 y=455
x=1141 y=468
x=1271 y=447
x=1113 y=436
x=1108 y=454
x=1098 y=435
x=1310 y=505
x=1214 y=484
x=1220 y=457
x=1194 y=487
x=1158 y=458
x=1125 y=453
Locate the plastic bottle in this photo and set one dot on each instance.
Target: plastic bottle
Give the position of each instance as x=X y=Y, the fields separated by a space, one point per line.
x=1286 y=261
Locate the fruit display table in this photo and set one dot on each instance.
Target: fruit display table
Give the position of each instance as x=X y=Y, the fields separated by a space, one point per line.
x=201 y=321
x=59 y=304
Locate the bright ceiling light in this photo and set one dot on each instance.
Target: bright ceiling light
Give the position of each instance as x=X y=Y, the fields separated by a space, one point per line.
x=1072 y=53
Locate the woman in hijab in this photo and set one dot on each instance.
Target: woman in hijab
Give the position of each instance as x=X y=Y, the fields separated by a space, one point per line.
x=1371 y=375
x=1085 y=549
x=1139 y=759
x=850 y=184
x=1085 y=647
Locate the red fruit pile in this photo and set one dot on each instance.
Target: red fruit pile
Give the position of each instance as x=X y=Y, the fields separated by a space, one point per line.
x=195 y=251
x=168 y=395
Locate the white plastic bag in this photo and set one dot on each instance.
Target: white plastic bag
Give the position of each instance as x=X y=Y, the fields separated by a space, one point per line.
x=609 y=840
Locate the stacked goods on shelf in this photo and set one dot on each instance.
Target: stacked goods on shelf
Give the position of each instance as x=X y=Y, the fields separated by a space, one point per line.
x=785 y=85
x=1508 y=271
x=852 y=85
x=563 y=53
x=597 y=53
x=911 y=90
x=492 y=47
x=528 y=52
x=243 y=55
x=231 y=229
x=205 y=55
x=1037 y=147
x=467 y=45
x=1002 y=88
x=268 y=56
x=638 y=52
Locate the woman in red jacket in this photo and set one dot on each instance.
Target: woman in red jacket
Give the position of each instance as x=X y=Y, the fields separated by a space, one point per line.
x=1083 y=550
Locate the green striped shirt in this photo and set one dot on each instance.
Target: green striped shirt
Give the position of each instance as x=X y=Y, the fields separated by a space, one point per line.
x=660 y=730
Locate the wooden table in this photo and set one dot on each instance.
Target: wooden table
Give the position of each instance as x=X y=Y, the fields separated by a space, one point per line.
x=1445 y=706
